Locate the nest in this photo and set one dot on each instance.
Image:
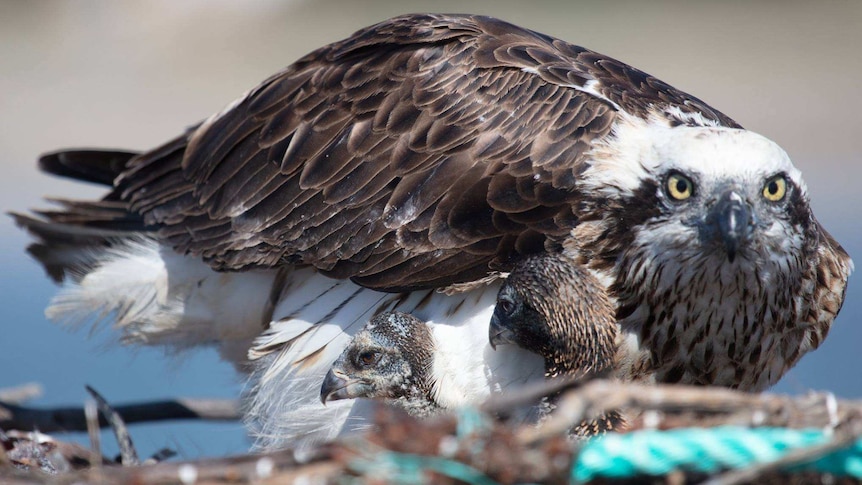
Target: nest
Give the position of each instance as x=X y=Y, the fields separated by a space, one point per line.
x=677 y=435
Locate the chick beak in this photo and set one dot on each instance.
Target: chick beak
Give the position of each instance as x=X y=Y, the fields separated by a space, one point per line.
x=732 y=222
x=498 y=334
x=335 y=386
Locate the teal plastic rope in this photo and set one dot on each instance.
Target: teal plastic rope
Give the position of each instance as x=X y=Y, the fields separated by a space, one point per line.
x=648 y=452
x=406 y=468
x=411 y=469
x=706 y=450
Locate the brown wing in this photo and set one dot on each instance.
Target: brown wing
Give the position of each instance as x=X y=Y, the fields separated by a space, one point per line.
x=830 y=271
x=415 y=153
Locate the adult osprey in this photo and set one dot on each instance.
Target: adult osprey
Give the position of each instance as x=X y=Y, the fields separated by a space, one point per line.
x=430 y=152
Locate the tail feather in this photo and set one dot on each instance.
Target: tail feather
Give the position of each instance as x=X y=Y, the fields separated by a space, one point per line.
x=96 y=166
x=67 y=238
x=103 y=214
x=66 y=250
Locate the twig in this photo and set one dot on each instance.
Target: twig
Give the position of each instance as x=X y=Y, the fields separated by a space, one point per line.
x=160 y=456
x=91 y=414
x=690 y=406
x=531 y=393
x=280 y=467
x=128 y=454
x=51 y=420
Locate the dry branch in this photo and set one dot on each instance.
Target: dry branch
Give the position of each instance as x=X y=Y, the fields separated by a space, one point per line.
x=128 y=454
x=52 y=420
x=684 y=406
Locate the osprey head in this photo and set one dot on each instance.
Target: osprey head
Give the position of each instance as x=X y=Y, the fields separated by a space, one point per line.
x=733 y=192
x=552 y=306
x=385 y=360
x=703 y=195
x=705 y=237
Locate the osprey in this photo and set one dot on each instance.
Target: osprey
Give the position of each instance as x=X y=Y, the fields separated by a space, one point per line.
x=391 y=359
x=402 y=169
x=551 y=306
x=396 y=357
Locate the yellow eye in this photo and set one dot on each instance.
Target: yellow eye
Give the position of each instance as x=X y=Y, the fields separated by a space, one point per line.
x=679 y=187
x=775 y=188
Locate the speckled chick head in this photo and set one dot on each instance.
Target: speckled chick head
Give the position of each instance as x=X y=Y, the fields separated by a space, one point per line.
x=388 y=359
x=555 y=308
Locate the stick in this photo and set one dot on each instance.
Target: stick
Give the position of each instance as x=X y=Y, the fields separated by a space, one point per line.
x=50 y=420
x=692 y=406
x=91 y=413
x=128 y=454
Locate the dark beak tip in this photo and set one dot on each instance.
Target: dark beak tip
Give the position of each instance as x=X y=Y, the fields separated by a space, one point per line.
x=732 y=219
x=499 y=335
x=497 y=340
x=324 y=396
x=331 y=384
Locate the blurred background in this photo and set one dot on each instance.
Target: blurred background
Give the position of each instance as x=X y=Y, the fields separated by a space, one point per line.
x=126 y=74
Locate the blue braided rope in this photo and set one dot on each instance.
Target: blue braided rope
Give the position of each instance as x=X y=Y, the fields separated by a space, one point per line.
x=706 y=450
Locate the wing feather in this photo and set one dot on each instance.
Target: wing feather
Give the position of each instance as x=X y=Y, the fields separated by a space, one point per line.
x=420 y=151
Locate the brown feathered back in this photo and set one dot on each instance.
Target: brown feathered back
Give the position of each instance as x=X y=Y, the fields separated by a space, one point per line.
x=413 y=154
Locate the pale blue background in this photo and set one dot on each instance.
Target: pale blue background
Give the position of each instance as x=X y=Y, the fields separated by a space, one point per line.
x=132 y=74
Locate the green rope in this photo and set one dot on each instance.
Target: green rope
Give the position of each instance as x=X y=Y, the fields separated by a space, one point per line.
x=412 y=469
x=639 y=453
x=708 y=450
x=470 y=421
x=407 y=468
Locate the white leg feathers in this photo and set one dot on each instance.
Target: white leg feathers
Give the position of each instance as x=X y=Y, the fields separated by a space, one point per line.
x=157 y=297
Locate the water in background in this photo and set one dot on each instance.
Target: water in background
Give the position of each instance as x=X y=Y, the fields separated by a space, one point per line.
x=132 y=75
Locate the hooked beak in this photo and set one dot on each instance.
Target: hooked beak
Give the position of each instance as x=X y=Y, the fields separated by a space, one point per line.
x=336 y=386
x=732 y=221
x=499 y=334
